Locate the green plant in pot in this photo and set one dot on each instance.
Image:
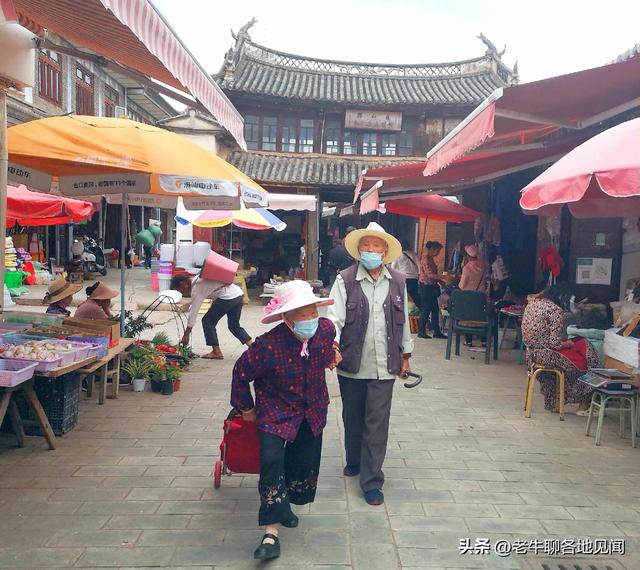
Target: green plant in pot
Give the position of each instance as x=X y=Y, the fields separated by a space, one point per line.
x=157 y=373
x=173 y=374
x=138 y=370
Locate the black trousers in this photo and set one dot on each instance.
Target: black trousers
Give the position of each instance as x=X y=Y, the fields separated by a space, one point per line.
x=147 y=256
x=429 y=307
x=413 y=289
x=288 y=473
x=221 y=307
x=366 y=407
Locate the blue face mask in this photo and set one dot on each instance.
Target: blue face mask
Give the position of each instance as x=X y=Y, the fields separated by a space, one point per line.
x=305 y=329
x=370 y=259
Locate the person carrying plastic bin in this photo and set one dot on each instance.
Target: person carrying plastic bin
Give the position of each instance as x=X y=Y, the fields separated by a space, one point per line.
x=215 y=282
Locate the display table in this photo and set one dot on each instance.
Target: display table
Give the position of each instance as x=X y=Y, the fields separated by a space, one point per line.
x=8 y=404
x=104 y=368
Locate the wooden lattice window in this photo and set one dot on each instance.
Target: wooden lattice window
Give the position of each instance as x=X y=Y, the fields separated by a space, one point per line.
x=50 y=76
x=84 y=92
x=111 y=101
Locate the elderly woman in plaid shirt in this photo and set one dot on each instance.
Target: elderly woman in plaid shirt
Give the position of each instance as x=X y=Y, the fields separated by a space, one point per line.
x=287 y=368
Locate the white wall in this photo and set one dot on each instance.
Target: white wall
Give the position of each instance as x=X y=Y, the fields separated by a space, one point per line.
x=630 y=253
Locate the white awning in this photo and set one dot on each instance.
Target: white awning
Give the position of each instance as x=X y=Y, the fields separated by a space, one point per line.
x=300 y=202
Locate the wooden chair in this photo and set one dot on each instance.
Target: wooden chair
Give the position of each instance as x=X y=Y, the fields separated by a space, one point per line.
x=469 y=313
x=531 y=383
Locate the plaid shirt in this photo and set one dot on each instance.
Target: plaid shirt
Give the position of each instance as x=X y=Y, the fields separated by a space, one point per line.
x=289 y=388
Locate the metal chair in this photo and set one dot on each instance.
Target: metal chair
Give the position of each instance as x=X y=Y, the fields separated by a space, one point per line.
x=469 y=313
x=531 y=383
x=626 y=403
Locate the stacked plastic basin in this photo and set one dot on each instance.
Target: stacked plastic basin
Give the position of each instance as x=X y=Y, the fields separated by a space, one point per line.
x=165 y=270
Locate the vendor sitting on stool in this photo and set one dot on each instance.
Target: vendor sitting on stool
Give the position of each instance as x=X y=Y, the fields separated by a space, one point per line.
x=98 y=303
x=227 y=299
x=59 y=296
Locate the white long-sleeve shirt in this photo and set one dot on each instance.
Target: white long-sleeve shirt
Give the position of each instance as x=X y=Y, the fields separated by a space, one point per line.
x=202 y=289
x=374 y=351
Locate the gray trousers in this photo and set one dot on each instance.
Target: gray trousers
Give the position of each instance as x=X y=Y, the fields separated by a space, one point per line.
x=366 y=406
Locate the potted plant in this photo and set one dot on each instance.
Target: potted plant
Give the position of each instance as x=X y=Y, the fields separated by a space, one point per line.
x=173 y=374
x=157 y=373
x=138 y=370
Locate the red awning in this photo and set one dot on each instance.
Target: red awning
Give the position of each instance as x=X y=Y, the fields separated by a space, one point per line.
x=521 y=115
x=35 y=209
x=433 y=207
x=133 y=34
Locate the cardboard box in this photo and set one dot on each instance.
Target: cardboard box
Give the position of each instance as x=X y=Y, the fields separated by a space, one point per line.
x=103 y=325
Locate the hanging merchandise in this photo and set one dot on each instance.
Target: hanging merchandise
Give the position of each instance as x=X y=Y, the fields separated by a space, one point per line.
x=492 y=232
x=551 y=261
x=499 y=271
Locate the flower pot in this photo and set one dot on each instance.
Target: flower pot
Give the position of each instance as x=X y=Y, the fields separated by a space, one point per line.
x=156 y=385
x=176 y=384
x=167 y=388
x=138 y=384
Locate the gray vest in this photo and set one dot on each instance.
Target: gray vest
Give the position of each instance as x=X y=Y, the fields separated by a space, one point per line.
x=357 y=319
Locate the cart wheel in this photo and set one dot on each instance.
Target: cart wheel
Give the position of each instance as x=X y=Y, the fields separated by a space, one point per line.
x=217 y=474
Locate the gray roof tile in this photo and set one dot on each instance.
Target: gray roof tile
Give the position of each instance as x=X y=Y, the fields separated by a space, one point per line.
x=263 y=71
x=313 y=169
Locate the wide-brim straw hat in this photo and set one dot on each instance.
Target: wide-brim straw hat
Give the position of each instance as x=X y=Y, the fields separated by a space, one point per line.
x=290 y=296
x=102 y=292
x=471 y=250
x=60 y=289
x=352 y=240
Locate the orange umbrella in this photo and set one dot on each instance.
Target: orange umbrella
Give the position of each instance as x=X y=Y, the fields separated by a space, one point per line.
x=91 y=156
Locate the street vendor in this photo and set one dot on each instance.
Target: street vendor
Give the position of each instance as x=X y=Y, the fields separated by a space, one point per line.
x=59 y=296
x=286 y=366
x=372 y=332
x=227 y=299
x=98 y=303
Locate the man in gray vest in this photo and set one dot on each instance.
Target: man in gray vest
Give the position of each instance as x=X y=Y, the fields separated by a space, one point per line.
x=374 y=345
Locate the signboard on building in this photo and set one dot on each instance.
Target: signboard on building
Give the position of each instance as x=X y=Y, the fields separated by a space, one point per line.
x=373 y=120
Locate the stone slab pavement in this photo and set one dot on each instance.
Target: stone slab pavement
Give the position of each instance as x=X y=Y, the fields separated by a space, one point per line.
x=130 y=486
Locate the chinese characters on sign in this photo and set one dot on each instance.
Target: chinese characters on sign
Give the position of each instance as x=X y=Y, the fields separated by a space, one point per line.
x=373 y=120
x=547 y=546
x=593 y=271
x=113 y=183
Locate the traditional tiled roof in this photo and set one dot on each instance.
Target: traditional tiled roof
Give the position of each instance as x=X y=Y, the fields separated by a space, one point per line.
x=311 y=169
x=254 y=69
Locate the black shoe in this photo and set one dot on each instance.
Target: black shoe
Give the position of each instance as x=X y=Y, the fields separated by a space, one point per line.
x=351 y=470
x=440 y=335
x=374 y=497
x=423 y=335
x=292 y=522
x=267 y=551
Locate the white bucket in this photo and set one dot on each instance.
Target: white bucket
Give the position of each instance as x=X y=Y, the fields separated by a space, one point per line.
x=166 y=252
x=200 y=251
x=138 y=384
x=164 y=281
x=184 y=254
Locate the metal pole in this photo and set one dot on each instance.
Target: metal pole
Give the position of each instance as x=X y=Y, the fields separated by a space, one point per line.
x=100 y=234
x=70 y=241
x=123 y=265
x=141 y=250
x=56 y=237
x=4 y=163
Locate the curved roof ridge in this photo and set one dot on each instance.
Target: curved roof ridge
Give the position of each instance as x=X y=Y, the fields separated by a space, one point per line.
x=307 y=63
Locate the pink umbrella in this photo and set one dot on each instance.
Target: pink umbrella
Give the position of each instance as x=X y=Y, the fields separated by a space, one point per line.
x=598 y=179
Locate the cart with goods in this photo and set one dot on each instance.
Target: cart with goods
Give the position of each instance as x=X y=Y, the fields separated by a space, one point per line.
x=239 y=448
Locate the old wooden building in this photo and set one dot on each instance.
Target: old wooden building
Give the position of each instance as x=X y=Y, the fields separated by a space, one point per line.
x=313 y=125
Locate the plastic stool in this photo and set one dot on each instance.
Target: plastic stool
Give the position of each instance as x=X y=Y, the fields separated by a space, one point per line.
x=599 y=402
x=531 y=382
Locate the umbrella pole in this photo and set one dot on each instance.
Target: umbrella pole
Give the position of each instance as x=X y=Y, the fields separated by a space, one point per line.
x=4 y=163
x=123 y=265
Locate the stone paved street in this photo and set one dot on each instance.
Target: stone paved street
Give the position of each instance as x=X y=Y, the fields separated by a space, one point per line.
x=131 y=485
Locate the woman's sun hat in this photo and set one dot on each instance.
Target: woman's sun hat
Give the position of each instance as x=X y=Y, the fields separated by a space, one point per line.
x=58 y=290
x=289 y=296
x=102 y=292
x=352 y=240
x=471 y=250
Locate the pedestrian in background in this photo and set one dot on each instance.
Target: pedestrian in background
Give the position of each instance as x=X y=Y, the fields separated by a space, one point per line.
x=409 y=264
x=430 y=290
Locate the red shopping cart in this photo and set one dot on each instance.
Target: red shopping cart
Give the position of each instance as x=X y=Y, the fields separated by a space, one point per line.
x=239 y=448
